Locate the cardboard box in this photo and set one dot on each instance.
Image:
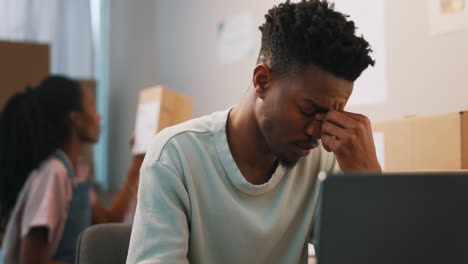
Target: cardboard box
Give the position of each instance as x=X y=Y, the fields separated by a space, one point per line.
x=426 y=143
x=21 y=64
x=159 y=107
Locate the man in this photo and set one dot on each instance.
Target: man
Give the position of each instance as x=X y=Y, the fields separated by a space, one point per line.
x=237 y=186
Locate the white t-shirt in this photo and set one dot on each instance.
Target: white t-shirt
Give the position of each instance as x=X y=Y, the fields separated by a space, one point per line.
x=194 y=205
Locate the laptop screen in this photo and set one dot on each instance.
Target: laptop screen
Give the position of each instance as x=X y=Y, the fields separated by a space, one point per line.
x=392 y=218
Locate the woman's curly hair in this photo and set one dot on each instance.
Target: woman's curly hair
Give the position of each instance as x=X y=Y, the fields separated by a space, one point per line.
x=296 y=35
x=34 y=123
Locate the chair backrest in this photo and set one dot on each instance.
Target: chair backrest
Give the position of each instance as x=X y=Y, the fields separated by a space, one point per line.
x=103 y=243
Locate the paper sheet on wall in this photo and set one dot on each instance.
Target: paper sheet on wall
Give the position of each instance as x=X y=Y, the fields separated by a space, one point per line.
x=371 y=87
x=146 y=125
x=379 y=141
x=447 y=16
x=235 y=38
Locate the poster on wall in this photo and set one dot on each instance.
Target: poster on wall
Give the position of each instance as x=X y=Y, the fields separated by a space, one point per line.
x=235 y=38
x=447 y=16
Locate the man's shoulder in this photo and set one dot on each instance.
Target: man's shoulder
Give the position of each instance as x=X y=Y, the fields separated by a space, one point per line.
x=195 y=132
x=204 y=124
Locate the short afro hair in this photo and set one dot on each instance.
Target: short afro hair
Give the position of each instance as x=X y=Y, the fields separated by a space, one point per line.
x=296 y=35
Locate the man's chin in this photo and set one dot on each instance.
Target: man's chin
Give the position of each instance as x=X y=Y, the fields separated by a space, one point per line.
x=287 y=161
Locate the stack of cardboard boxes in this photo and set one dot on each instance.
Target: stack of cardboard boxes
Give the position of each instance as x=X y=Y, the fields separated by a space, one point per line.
x=426 y=143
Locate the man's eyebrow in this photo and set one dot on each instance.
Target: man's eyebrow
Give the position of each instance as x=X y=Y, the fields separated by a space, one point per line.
x=317 y=106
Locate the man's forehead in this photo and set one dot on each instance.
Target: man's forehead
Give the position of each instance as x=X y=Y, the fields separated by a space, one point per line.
x=316 y=105
x=317 y=79
x=320 y=97
x=324 y=103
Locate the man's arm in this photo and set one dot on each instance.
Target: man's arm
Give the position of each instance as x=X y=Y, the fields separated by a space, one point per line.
x=161 y=226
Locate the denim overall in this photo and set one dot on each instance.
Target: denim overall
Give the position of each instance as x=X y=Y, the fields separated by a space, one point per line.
x=79 y=215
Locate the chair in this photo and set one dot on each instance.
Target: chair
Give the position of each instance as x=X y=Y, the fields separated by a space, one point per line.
x=103 y=243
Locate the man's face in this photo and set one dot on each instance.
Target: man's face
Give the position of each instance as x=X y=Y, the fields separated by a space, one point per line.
x=286 y=112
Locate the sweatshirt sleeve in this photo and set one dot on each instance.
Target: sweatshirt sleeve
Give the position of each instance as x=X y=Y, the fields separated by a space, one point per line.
x=160 y=231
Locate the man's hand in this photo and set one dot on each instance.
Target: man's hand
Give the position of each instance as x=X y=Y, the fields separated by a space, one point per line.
x=349 y=136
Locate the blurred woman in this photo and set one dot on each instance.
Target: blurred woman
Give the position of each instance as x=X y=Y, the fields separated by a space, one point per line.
x=48 y=204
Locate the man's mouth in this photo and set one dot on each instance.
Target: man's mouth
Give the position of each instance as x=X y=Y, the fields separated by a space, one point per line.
x=305 y=148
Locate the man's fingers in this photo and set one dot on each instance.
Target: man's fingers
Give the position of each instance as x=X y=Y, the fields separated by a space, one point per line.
x=329 y=143
x=340 y=119
x=334 y=131
x=353 y=115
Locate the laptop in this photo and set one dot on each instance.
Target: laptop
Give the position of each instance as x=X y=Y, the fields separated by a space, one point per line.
x=417 y=218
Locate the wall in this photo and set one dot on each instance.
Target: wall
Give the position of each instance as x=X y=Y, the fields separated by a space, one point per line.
x=426 y=75
x=132 y=66
x=186 y=48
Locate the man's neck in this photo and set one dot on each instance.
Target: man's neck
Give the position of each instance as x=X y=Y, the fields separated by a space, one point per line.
x=247 y=144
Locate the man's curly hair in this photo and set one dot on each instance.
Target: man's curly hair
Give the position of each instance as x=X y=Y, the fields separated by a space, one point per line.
x=296 y=35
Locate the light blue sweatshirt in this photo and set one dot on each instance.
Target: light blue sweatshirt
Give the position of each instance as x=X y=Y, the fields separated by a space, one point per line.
x=194 y=205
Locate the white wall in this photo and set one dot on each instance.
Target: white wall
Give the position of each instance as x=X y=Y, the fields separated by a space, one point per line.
x=186 y=51
x=132 y=66
x=426 y=75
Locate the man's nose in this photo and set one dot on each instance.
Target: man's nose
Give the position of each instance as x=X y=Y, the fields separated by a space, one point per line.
x=314 y=128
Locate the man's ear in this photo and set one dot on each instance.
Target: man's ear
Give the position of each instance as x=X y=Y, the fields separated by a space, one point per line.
x=261 y=79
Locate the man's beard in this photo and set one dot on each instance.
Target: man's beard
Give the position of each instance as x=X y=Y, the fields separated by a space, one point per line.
x=290 y=163
x=285 y=162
